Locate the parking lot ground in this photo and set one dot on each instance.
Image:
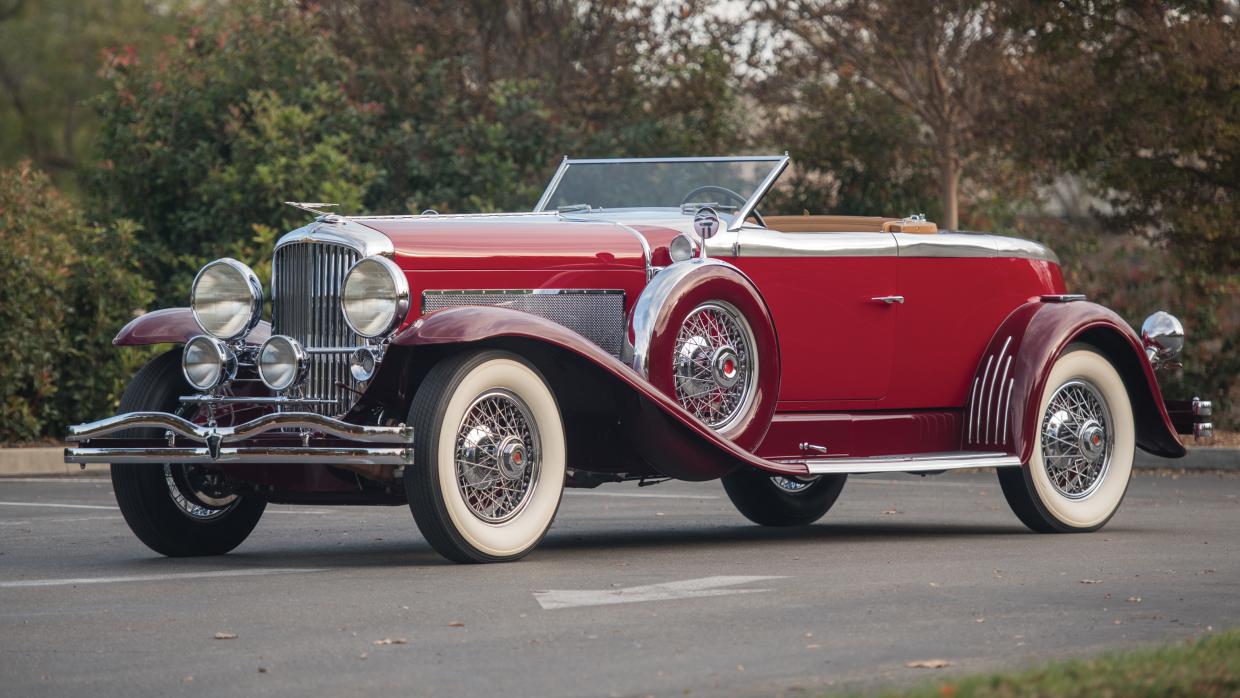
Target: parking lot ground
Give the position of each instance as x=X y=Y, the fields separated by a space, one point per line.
x=659 y=590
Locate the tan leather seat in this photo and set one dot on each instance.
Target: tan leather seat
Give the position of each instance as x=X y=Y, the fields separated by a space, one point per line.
x=848 y=224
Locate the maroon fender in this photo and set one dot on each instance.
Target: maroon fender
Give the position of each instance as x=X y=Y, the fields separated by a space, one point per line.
x=173 y=325
x=657 y=319
x=670 y=431
x=1002 y=410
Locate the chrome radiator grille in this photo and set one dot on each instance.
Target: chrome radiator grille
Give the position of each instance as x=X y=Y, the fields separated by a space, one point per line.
x=596 y=314
x=305 y=305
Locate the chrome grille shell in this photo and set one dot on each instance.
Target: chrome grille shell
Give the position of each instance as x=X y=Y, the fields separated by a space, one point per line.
x=305 y=305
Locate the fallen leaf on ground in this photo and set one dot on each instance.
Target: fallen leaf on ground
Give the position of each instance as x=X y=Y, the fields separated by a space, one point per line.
x=1134 y=599
x=928 y=664
x=1091 y=581
x=890 y=511
x=391 y=641
x=226 y=636
x=456 y=624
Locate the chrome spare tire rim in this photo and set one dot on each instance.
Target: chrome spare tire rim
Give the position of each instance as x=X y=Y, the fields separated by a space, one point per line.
x=714 y=367
x=793 y=485
x=1076 y=439
x=497 y=456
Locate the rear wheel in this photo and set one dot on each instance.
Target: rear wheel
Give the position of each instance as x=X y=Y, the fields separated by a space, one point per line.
x=177 y=510
x=489 y=461
x=776 y=500
x=1083 y=451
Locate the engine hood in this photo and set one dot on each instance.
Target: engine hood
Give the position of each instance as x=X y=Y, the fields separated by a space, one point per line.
x=509 y=241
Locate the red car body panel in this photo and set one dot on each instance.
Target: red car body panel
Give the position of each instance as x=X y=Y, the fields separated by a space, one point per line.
x=173 y=326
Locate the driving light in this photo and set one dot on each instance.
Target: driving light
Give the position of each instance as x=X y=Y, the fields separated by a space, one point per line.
x=1163 y=337
x=208 y=363
x=374 y=297
x=226 y=299
x=282 y=363
x=363 y=362
x=682 y=248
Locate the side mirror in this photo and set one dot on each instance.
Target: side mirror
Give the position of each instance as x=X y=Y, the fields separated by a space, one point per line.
x=1163 y=337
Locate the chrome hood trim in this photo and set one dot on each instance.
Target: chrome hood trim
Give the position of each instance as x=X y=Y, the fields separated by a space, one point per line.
x=340 y=230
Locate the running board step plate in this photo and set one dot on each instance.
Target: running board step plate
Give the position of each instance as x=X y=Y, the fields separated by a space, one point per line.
x=912 y=463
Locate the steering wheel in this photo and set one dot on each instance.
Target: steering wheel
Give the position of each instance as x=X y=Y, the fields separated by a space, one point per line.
x=740 y=200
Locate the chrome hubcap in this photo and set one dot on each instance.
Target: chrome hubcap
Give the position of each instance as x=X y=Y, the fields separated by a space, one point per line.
x=1076 y=444
x=714 y=367
x=497 y=447
x=198 y=492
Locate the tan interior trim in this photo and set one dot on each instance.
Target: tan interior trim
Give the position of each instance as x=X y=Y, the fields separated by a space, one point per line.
x=847 y=224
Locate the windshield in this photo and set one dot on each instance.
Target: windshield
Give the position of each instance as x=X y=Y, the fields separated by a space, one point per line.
x=726 y=184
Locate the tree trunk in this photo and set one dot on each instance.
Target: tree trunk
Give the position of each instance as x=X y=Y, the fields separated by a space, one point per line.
x=949 y=185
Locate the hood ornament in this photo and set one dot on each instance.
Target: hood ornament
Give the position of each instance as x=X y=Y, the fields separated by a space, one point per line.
x=312 y=207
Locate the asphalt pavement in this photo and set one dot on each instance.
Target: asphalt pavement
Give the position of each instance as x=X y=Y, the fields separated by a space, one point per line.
x=660 y=590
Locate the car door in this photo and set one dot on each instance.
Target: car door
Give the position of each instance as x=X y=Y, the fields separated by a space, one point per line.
x=836 y=305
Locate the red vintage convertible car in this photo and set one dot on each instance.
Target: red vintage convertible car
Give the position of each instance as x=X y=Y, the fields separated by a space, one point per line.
x=644 y=321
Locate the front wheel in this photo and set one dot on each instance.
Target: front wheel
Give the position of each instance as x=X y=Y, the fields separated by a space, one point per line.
x=1083 y=451
x=177 y=510
x=775 y=500
x=489 y=461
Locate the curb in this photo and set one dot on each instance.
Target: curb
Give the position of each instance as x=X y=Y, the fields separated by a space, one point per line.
x=27 y=462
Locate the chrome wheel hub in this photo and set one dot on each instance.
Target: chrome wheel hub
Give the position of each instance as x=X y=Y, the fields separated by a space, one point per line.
x=199 y=493
x=1076 y=443
x=792 y=485
x=714 y=367
x=497 y=446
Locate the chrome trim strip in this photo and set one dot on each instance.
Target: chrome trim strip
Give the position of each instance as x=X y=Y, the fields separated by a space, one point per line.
x=252 y=400
x=972 y=409
x=764 y=242
x=1062 y=297
x=647 y=255
x=743 y=212
x=1007 y=366
x=956 y=244
x=1007 y=404
x=990 y=394
x=300 y=455
x=268 y=422
x=341 y=231
x=524 y=292
x=914 y=463
x=977 y=425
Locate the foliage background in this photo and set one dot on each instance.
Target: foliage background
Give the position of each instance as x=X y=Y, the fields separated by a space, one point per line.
x=141 y=138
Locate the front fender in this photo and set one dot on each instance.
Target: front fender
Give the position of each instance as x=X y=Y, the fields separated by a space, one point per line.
x=173 y=325
x=1002 y=411
x=668 y=437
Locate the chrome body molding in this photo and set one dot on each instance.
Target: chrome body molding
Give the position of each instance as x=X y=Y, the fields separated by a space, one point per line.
x=179 y=426
x=1062 y=297
x=755 y=241
x=326 y=455
x=339 y=230
x=913 y=463
x=596 y=314
x=645 y=313
x=277 y=400
x=990 y=398
x=647 y=255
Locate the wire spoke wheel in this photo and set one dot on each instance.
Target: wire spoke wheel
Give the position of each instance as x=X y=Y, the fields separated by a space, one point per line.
x=714 y=367
x=497 y=456
x=1076 y=439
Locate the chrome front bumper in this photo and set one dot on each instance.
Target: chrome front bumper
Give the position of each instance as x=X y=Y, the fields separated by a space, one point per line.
x=321 y=440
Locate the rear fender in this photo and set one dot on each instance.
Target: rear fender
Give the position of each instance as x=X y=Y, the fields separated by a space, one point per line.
x=1004 y=397
x=653 y=425
x=175 y=326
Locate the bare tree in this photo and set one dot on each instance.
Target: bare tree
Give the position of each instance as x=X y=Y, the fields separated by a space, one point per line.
x=936 y=60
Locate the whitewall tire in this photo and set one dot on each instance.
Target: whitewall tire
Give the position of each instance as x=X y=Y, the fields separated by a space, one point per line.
x=1083 y=450
x=489 y=460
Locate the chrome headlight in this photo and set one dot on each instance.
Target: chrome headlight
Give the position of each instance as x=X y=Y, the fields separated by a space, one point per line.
x=208 y=363
x=374 y=297
x=227 y=299
x=282 y=363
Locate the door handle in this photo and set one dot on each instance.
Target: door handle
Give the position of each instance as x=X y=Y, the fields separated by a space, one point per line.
x=888 y=299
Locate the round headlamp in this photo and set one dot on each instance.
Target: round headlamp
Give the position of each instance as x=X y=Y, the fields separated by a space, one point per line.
x=374 y=297
x=282 y=363
x=227 y=299
x=208 y=363
x=683 y=248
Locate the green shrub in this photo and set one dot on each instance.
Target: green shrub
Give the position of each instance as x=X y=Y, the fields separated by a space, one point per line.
x=65 y=289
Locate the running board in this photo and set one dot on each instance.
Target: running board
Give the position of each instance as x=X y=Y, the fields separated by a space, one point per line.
x=911 y=463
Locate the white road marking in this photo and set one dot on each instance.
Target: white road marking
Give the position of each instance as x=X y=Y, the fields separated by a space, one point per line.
x=689 y=589
x=69 y=479
x=57 y=506
x=157 y=577
x=646 y=495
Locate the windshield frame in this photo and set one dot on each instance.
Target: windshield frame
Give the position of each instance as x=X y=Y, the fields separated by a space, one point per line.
x=779 y=164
